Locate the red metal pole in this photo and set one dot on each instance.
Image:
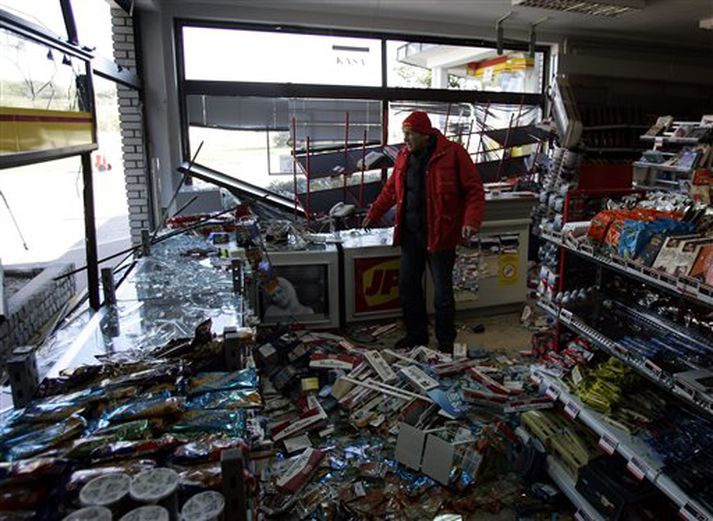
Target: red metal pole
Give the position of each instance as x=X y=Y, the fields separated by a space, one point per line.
x=363 y=167
x=294 y=164
x=309 y=173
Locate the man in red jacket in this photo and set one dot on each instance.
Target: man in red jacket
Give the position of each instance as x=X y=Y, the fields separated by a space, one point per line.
x=439 y=201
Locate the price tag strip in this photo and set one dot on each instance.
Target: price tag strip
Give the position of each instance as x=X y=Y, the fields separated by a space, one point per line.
x=608 y=444
x=638 y=468
x=572 y=409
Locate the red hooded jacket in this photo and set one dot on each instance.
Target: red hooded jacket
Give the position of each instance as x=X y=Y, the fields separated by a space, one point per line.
x=454 y=194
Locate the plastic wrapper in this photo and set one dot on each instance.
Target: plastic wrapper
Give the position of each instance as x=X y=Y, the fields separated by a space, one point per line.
x=206 y=477
x=32 y=469
x=133 y=430
x=134 y=449
x=240 y=399
x=229 y=423
x=79 y=478
x=162 y=404
x=163 y=372
x=205 y=450
x=221 y=380
x=83 y=447
x=40 y=440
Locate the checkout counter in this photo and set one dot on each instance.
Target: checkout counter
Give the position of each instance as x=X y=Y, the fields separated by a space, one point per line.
x=490 y=272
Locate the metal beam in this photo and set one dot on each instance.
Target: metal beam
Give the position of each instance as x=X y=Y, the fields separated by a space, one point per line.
x=90 y=233
x=300 y=90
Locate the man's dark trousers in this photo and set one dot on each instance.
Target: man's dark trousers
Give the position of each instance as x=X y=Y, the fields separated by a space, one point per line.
x=414 y=258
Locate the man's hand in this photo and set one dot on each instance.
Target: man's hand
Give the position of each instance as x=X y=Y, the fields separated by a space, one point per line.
x=469 y=232
x=366 y=223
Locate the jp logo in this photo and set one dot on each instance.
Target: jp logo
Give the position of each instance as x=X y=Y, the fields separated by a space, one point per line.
x=381 y=283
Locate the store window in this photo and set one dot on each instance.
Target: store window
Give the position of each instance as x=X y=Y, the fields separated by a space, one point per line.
x=251 y=138
x=93 y=21
x=45 y=13
x=43 y=220
x=36 y=76
x=436 y=66
x=260 y=56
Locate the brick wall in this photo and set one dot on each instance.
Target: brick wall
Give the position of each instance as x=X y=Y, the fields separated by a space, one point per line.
x=132 y=128
x=34 y=305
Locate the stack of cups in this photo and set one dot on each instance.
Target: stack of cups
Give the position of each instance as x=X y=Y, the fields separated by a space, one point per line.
x=157 y=487
x=204 y=506
x=110 y=491
x=147 y=513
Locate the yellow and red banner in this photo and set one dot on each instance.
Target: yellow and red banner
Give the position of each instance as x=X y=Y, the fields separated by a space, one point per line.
x=494 y=66
x=30 y=130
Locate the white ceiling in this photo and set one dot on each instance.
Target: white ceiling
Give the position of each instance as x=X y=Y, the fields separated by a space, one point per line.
x=667 y=22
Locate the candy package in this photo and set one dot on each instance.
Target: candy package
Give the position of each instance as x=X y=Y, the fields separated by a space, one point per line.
x=230 y=423
x=205 y=450
x=221 y=380
x=204 y=477
x=236 y=399
x=83 y=447
x=133 y=430
x=134 y=449
x=162 y=404
x=32 y=469
x=41 y=440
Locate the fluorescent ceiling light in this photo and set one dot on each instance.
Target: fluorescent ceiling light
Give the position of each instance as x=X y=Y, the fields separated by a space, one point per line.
x=706 y=23
x=609 y=8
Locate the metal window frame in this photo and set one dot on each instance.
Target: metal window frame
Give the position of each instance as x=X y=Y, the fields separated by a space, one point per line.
x=383 y=93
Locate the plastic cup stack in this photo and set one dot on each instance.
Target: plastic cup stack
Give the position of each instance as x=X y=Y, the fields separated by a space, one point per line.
x=157 y=486
x=204 y=506
x=90 y=514
x=147 y=513
x=110 y=491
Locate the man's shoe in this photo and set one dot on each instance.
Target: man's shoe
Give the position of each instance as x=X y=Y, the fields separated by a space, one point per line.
x=408 y=343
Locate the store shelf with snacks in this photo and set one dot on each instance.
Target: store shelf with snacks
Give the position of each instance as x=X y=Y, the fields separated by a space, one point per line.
x=687 y=287
x=641 y=461
x=640 y=365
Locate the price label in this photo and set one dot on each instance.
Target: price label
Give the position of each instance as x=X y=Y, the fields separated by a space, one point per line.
x=620 y=349
x=653 y=368
x=608 y=444
x=638 y=468
x=572 y=409
x=581 y=516
x=693 y=513
x=552 y=393
x=658 y=141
